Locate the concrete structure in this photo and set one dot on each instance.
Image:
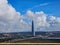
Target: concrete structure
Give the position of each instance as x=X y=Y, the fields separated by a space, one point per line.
x=33 y=31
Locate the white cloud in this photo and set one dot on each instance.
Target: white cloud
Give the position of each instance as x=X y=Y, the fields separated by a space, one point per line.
x=38 y=17
x=10 y=20
x=58 y=20
x=41 y=21
x=44 y=4
x=52 y=18
x=13 y=21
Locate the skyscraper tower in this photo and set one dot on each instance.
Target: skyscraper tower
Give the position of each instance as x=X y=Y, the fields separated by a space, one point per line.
x=33 y=31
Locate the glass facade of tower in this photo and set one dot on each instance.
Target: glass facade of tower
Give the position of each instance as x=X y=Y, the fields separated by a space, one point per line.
x=33 y=31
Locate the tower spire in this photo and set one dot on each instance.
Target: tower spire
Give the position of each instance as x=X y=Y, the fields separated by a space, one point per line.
x=33 y=31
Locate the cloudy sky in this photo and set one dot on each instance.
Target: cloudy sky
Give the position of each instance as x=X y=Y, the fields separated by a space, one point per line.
x=16 y=15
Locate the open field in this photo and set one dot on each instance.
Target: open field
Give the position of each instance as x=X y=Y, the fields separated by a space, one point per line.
x=38 y=41
x=33 y=40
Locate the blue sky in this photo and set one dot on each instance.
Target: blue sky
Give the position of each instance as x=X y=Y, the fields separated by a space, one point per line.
x=51 y=7
x=44 y=13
